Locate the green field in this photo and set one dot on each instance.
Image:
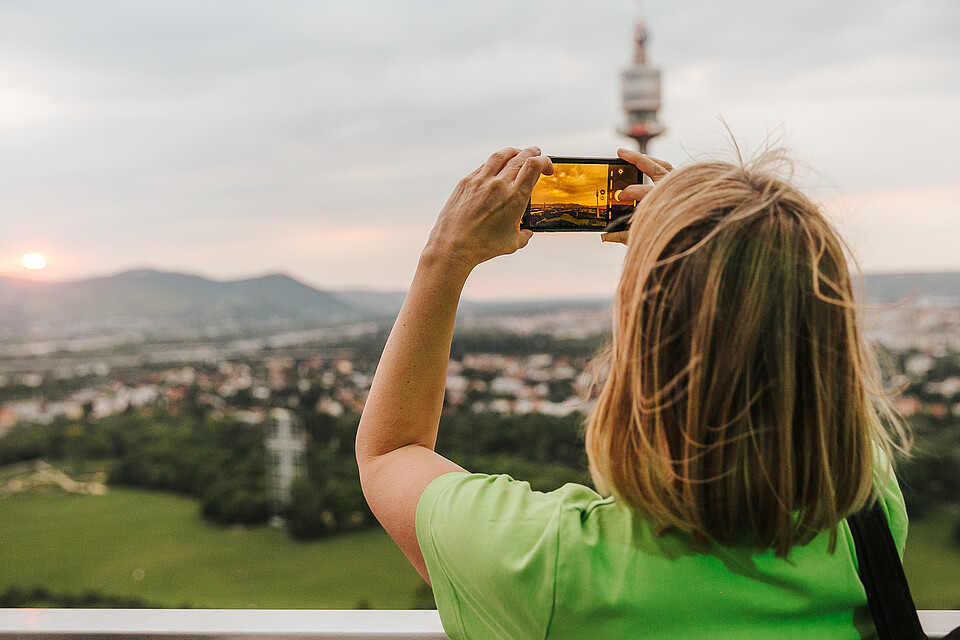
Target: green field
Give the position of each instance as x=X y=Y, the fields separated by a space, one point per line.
x=155 y=547
x=932 y=561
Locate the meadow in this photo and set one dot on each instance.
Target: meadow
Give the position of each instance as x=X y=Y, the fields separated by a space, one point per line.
x=156 y=547
x=932 y=561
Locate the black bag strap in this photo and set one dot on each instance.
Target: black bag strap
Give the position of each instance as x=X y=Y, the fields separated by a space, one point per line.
x=881 y=572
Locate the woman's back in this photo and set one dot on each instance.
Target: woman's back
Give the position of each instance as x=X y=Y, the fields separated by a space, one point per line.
x=508 y=562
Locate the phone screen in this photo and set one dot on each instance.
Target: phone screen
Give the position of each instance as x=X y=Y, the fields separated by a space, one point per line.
x=581 y=195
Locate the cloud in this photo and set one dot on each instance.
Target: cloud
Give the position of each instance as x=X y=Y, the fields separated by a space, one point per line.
x=167 y=132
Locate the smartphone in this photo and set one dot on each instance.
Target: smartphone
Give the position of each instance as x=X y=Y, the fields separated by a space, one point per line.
x=581 y=195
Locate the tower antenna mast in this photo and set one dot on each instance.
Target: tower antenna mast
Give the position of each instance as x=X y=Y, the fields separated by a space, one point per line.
x=641 y=90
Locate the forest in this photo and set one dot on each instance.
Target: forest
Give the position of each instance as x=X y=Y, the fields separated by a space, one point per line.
x=221 y=461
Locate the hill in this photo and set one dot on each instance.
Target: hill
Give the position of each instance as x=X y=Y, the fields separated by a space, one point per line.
x=165 y=302
x=894 y=287
x=154 y=298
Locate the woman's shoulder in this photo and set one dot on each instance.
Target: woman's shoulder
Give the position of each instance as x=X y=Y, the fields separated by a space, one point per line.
x=491 y=543
x=568 y=520
x=479 y=493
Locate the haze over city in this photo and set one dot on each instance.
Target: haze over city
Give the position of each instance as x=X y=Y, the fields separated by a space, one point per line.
x=320 y=139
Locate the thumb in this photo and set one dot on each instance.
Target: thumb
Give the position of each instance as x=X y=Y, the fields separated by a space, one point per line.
x=523 y=237
x=530 y=173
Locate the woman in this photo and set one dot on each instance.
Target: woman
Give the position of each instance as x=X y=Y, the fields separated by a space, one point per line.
x=737 y=428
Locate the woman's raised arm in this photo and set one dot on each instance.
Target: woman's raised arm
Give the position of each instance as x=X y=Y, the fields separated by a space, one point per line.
x=398 y=428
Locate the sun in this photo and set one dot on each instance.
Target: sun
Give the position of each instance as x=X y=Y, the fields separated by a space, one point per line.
x=33 y=261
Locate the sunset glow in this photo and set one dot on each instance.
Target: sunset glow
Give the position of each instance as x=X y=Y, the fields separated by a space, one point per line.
x=33 y=261
x=573 y=183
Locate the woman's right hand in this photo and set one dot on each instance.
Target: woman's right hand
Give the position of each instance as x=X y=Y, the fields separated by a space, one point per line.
x=481 y=220
x=648 y=165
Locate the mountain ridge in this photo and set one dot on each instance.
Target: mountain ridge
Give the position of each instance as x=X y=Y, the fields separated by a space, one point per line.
x=168 y=299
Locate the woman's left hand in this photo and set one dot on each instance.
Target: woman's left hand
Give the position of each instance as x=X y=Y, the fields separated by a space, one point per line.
x=655 y=168
x=481 y=220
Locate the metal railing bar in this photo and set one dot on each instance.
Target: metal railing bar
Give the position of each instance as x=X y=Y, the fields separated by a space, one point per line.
x=261 y=624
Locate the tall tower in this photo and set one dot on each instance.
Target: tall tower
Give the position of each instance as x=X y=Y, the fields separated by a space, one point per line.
x=641 y=91
x=286 y=444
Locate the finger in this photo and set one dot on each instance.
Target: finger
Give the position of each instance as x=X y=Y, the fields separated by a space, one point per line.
x=523 y=238
x=663 y=163
x=650 y=166
x=512 y=168
x=495 y=162
x=615 y=236
x=631 y=156
x=635 y=156
x=533 y=167
x=635 y=192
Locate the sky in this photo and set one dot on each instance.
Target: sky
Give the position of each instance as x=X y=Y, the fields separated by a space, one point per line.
x=320 y=139
x=571 y=183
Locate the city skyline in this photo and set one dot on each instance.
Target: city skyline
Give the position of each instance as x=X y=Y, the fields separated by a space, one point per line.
x=321 y=140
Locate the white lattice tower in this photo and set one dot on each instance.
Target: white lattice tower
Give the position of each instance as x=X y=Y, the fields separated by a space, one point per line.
x=286 y=444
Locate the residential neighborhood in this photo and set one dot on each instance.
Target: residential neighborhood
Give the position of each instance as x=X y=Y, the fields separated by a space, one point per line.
x=242 y=378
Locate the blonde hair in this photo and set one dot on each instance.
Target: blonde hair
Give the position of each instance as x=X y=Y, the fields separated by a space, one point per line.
x=741 y=397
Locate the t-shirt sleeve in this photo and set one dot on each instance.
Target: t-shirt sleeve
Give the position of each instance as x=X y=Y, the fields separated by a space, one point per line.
x=891 y=500
x=895 y=510
x=490 y=546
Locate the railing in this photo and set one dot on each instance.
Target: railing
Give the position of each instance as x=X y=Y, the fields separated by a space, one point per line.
x=219 y=624
x=246 y=624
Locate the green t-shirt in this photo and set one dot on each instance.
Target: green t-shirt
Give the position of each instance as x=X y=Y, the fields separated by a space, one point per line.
x=509 y=562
